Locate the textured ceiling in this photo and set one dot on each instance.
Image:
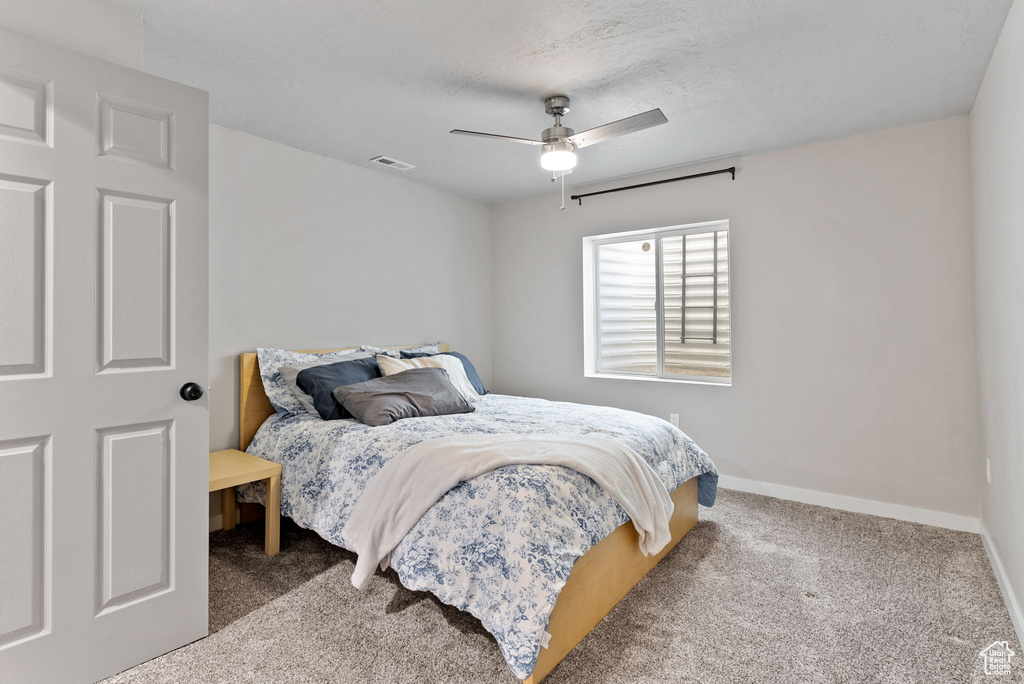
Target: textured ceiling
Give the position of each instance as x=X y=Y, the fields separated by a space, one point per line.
x=353 y=80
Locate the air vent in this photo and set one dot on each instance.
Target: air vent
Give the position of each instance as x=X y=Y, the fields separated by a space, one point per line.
x=393 y=163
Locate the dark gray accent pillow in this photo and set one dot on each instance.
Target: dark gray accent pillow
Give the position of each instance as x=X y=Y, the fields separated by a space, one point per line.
x=319 y=382
x=413 y=393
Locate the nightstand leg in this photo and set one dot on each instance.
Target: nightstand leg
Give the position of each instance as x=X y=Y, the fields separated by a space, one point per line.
x=272 y=539
x=227 y=508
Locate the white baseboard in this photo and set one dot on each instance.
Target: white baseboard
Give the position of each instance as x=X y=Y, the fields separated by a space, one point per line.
x=950 y=521
x=1012 y=604
x=216 y=521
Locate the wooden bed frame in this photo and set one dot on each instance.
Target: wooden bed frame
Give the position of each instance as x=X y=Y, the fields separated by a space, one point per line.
x=598 y=581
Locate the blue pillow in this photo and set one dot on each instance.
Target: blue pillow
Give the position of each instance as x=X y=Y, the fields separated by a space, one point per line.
x=474 y=377
x=319 y=382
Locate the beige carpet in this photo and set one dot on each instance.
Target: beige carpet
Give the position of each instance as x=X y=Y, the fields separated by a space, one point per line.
x=762 y=590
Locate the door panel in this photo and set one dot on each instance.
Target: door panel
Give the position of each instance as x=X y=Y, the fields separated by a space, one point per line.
x=135 y=466
x=135 y=267
x=135 y=131
x=24 y=102
x=23 y=247
x=103 y=316
x=24 y=466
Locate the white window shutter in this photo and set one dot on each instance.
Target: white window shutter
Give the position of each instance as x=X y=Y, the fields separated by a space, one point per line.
x=626 y=303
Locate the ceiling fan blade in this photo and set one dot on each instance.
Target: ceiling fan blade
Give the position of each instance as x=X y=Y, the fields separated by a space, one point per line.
x=459 y=131
x=631 y=124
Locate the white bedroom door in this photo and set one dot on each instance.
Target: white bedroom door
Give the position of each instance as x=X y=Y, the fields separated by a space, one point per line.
x=103 y=318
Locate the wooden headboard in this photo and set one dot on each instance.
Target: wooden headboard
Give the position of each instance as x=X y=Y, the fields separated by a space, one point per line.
x=253 y=405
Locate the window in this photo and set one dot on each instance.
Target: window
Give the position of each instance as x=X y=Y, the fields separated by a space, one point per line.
x=656 y=304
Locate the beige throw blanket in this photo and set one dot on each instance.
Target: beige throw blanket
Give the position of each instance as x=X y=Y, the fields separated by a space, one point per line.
x=410 y=483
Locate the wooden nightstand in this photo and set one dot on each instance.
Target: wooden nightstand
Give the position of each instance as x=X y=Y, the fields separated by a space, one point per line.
x=230 y=468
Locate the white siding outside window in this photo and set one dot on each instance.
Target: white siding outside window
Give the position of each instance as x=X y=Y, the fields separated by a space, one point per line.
x=638 y=322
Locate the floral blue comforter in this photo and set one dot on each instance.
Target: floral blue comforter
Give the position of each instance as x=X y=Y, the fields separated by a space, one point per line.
x=499 y=546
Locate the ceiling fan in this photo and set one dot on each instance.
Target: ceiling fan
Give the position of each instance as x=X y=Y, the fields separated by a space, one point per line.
x=559 y=143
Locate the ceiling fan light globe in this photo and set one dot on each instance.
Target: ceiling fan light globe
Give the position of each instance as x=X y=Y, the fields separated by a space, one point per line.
x=558 y=156
x=558 y=161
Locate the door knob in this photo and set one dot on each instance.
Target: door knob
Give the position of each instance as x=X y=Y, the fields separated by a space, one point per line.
x=190 y=391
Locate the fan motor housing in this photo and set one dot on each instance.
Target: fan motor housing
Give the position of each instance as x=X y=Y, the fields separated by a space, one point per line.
x=556 y=133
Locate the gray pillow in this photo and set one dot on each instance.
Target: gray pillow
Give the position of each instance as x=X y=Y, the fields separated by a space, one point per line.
x=290 y=373
x=414 y=393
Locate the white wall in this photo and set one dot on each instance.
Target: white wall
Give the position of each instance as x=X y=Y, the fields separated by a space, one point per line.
x=997 y=137
x=91 y=27
x=853 y=343
x=307 y=252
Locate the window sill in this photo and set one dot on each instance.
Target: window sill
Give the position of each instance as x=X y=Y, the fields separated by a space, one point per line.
x=690 y=380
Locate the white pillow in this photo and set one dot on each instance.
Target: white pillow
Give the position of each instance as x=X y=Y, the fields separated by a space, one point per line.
x=397 y=353
x=456 y=371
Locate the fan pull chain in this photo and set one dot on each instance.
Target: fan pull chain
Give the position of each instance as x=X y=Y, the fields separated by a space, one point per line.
x=563 y=191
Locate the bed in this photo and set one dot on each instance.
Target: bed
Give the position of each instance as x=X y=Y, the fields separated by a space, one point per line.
x=538 y=594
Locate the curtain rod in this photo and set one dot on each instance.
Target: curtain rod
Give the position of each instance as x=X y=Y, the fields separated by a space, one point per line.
x=579 y=198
